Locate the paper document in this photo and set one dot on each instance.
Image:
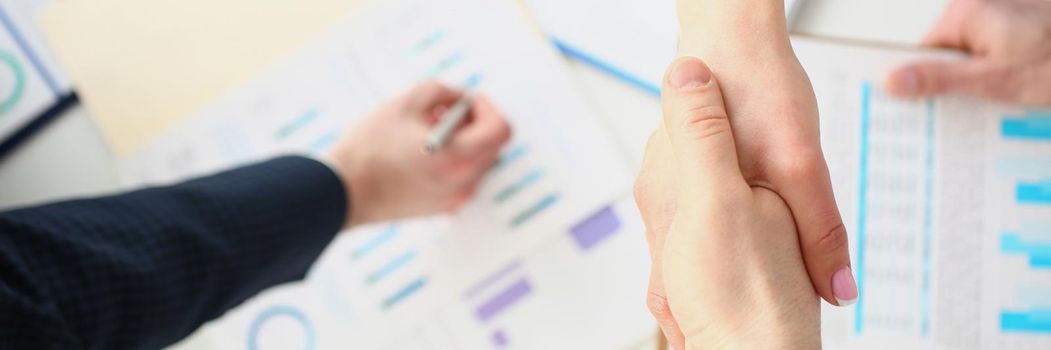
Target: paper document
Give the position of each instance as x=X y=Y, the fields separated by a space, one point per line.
x=534 y=244
x=30 y=79
x=948 y=205
x=634 y=40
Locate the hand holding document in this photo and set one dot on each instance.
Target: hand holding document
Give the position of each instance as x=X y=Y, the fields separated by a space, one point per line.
x=1010 y=54
x=945 y=200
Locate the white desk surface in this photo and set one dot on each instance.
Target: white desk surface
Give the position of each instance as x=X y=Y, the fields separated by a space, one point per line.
x=69 y=158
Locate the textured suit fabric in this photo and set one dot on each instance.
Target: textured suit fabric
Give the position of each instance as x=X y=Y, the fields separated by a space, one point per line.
x=144 y=269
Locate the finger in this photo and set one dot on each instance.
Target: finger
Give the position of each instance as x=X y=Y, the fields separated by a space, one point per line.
x=656 y=187
x=935 y=78
x=430 y=95
x=823 y=237
x=657 y=295
x=658 y=305
x=467 y=173
x=698 y=127
x=949 y=31
x=484 y=132
x=655 y=195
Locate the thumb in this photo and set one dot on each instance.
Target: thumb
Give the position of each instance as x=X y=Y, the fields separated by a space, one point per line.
x=930 y=78
x=698 y=126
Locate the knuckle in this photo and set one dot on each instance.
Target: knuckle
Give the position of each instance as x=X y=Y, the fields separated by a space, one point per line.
x=702 y=122
x=639 y=191
x=800 y=163
x=503 y=131
x=430 y=85
x=658 y=306
x=832 y=241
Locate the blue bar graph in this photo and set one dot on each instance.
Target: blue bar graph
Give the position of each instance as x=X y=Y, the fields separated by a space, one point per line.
x=391 y=267
x=511 y=156
x=404 y=293
x=1034 y=193
x=1034 y=321
x=322 y=143
x=383 y=237
x=519 y=186
x=1032 y=126
x=446 y=64
x=472 y=82
x=427 y=43
x=535 y=210
x=1039 y=253
x=297 y=124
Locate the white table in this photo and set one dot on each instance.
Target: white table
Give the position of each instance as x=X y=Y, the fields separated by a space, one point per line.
x=70 y=158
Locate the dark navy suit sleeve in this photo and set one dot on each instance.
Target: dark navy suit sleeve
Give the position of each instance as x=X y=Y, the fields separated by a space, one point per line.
x=144 y=269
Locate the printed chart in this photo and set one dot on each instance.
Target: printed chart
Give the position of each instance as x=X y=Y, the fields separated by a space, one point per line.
x=489 y=276
x=30 y=81
x=946 y=203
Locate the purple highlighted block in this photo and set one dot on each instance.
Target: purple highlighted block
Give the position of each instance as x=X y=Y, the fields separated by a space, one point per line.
x=595 y=229
x=500 y=339
x=504 y=300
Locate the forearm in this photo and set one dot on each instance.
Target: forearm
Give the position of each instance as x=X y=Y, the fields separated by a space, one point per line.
x=723 y=31
x=144 y=269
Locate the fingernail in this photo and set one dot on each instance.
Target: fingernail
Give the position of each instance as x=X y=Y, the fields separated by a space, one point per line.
x=844 y=288
x=690 y=73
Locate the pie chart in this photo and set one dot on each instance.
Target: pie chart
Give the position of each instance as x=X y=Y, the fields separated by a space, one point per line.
x=12 y=82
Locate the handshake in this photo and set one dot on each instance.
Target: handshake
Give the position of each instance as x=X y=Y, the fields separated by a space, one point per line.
x=744 y=233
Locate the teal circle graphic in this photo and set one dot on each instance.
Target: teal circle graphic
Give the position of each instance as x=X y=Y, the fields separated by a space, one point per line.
x=276 y=312
x=11 y=100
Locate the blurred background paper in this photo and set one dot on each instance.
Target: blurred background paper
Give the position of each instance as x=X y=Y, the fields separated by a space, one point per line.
x=187 y=52
x=493 y=274
x=31 y=82
x=629 y=39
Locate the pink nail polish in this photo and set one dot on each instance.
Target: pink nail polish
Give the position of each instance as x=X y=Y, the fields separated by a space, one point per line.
x=844 y=288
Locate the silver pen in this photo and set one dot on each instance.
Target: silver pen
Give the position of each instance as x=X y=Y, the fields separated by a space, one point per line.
x=448 y=124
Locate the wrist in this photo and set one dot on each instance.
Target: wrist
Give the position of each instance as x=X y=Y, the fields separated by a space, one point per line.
x=758 y=15
x=340 y=165
x=743 y=27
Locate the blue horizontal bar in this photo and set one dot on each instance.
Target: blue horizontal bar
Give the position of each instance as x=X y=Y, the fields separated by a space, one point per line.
x=404 y=293
x=511 y=156
x=524 y=216
x=390 y=267
x=1034 y=193
x=1040 y=261
x=1027 y=322
x=1034 y=127
x=1039 y=252
x=383 y=237
x=522 y=184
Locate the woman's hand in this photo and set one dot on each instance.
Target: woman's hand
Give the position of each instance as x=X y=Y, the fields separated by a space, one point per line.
x=725 y=253
x=386 y=172
x=775 y=119
x=1010 y=46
